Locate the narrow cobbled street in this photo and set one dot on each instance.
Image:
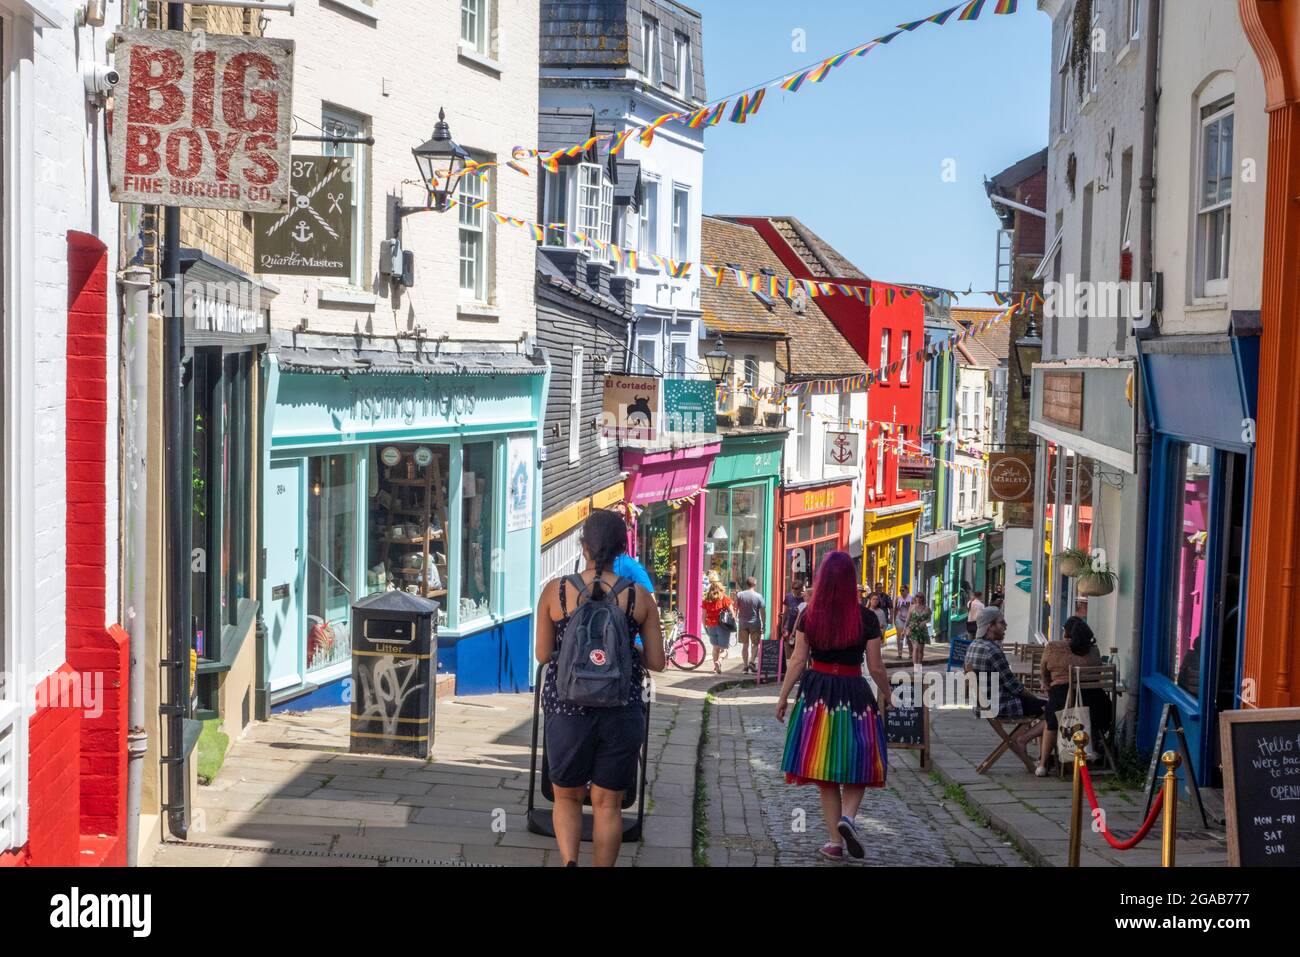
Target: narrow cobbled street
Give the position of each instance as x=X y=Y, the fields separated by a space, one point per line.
x=753 y=817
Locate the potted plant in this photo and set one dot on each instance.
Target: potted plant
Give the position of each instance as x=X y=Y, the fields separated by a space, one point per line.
x=1071 y=561
x=1097 y=578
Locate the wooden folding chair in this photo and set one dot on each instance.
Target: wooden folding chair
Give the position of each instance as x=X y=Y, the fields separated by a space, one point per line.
x=1009 y=742
x=1033 y=679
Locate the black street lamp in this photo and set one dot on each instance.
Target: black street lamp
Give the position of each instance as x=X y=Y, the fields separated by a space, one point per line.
x=719 y=362
x=440 y=159
x=1029 y=349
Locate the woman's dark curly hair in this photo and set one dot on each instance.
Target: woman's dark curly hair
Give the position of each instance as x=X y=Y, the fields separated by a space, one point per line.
x=1079 y=635
x=604 y=536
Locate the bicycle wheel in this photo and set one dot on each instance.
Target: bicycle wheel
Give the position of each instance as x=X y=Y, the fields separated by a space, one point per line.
x=687 y=652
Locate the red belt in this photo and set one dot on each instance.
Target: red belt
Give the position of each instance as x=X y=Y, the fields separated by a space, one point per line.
x=844 y=671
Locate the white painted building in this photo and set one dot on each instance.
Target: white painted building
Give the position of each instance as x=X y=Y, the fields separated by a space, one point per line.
x=628 y=63
x=58 y=252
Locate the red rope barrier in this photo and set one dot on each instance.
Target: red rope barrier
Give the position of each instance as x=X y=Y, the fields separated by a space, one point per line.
x=1142 y=832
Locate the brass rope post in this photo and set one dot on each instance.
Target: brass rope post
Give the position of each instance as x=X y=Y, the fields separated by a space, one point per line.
x=1080 y=739
x=1171 y=760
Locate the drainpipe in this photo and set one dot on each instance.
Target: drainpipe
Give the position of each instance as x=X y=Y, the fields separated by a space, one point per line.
x=137 y=282
x=1147 y=183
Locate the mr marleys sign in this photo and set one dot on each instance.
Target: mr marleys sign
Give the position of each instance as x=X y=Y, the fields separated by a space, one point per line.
x=202 y=120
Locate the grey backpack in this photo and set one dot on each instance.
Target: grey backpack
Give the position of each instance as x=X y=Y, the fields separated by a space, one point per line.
x=594 y=664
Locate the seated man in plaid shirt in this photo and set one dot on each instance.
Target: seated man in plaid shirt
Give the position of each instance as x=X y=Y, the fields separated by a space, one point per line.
x=985 y=655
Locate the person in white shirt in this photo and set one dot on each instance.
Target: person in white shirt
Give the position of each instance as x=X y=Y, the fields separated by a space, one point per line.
x=902 y=613
x=973 y=613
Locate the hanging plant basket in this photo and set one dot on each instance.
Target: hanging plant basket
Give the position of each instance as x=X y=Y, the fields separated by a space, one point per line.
x=1071 y=561
x=1096 y=584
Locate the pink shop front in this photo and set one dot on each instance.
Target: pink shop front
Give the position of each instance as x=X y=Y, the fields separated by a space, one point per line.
x=665 y=492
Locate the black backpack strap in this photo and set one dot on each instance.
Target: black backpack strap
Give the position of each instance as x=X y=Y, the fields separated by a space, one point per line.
x=582 y=586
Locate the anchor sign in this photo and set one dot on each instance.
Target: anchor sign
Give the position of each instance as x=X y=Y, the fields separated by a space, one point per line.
x=313 y=237
x=842 y=449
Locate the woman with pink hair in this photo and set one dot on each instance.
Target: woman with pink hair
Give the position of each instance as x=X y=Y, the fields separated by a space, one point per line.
x=836 y=735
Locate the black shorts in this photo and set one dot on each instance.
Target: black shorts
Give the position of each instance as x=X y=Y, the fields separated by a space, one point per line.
x=972 y=627
x=601 y=747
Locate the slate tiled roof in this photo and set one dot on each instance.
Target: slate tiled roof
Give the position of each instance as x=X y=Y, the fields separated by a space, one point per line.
x=817 y=349
x=561 y=128
x=823 y=259
x=607 y=33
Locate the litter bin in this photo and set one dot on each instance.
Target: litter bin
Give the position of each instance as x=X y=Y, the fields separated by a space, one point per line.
x=394 y=674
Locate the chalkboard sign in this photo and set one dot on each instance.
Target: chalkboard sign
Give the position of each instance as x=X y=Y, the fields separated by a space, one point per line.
x=1261 y=780
x=905 y=726
x=908 y=728
x=770 y=662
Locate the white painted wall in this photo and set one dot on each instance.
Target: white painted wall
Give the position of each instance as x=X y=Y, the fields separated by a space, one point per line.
x=1204 y=55
x=805 y=449
x=55 y=180
x=395 y=63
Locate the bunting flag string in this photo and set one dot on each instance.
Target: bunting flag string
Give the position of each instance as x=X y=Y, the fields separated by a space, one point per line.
x=772 y=285
x=746 y=103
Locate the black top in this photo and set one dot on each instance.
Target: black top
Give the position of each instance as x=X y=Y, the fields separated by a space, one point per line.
x=551 y=703
x=854 y=653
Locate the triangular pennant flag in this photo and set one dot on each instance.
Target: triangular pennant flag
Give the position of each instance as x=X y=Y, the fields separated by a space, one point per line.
x=740 y=112
x=972 y=11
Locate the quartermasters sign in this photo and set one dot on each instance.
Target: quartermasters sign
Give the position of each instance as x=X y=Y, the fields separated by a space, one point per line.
x=202 y=120
x=313 y=237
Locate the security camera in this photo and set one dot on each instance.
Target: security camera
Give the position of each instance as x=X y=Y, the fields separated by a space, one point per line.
x=99 y=79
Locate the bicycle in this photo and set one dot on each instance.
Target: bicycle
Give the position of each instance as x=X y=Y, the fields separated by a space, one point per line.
x=682 y=650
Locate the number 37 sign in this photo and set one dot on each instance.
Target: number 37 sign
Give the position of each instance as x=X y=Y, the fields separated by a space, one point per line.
x=202 y=120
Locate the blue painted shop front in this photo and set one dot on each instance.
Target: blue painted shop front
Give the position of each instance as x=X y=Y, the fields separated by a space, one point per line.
x=1201 y=394
x=423 y=482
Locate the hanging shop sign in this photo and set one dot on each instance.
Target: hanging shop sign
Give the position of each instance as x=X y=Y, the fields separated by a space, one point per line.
x=629 y=407
x=314 y=236
x=1011 y=477
x=202 y=120
x=690 y=406
x=221 y=306
x=842 y=449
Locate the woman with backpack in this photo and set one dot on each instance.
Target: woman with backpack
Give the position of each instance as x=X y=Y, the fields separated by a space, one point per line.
x=592 y=694
x=717 y=605
x=836 y=736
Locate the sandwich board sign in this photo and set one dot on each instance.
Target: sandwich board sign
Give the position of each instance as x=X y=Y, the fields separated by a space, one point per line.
x=202 y=120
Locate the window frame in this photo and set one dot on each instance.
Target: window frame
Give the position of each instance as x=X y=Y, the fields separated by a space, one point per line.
x=1063 y=77
x=577 y=379
x=481 y=291
x=480 y=11
x=338 y=120
x=1134 y=19
x=648 y=244
x=1214 y=114
x=884 y=355
x=880 y=461
x=905 y=358
x=681 y=232
x=651 y=53
x=685 y=65
x=1094 y=55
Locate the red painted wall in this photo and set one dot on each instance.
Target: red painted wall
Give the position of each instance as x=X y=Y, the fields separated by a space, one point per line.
x=894 y=401
x=76 y=793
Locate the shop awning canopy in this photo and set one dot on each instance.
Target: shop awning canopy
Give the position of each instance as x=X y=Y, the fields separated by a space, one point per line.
x=347 y=355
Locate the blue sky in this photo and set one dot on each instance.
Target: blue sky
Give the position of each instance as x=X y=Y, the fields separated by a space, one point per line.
x=860 y=157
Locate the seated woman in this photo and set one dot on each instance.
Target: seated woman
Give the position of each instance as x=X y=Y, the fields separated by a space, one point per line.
x=1077 y=649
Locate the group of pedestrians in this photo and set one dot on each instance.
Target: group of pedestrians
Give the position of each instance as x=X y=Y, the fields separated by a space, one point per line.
x=587 y=629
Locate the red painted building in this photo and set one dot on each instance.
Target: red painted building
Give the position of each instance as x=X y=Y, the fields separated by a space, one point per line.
x=886 y=335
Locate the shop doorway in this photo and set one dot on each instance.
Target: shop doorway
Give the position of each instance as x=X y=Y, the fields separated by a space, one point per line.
x=284 y=575
x=661 y=545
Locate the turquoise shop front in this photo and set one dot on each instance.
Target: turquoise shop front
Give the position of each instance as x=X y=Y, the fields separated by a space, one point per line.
x=421 y=477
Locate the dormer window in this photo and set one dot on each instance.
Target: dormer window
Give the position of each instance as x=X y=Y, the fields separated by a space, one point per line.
x=581 y=197
x=685 y=66
x=654 y=70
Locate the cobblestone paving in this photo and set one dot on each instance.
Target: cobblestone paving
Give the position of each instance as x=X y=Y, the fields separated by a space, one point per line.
x=754 y=816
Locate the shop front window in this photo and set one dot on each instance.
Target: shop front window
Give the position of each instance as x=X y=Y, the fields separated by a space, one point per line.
x=736 y=545
x=219 y=506
x=661 y=547
x=331 y=557
x=807 y=545
x=407 y=502
x=1191 y=549
x=476 y=531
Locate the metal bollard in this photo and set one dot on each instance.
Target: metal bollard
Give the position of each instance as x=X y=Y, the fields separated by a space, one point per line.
x=1171 y=760
x=1080 y=740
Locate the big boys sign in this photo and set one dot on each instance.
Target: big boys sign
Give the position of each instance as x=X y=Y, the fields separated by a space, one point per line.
x=202 y=120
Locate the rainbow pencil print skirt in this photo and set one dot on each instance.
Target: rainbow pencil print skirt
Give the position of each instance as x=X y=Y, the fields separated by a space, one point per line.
x=835 y=733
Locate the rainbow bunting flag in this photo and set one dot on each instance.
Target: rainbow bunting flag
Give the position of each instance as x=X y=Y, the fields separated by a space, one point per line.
x=698 y=117
x=740 y=112
x=890 y=293
x=648 y=134
x=972 y=11
x=718 y=112
x=791 y=84
x=887 y=37
x=756 y=100
x=1004 y=7
x=820 y=72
